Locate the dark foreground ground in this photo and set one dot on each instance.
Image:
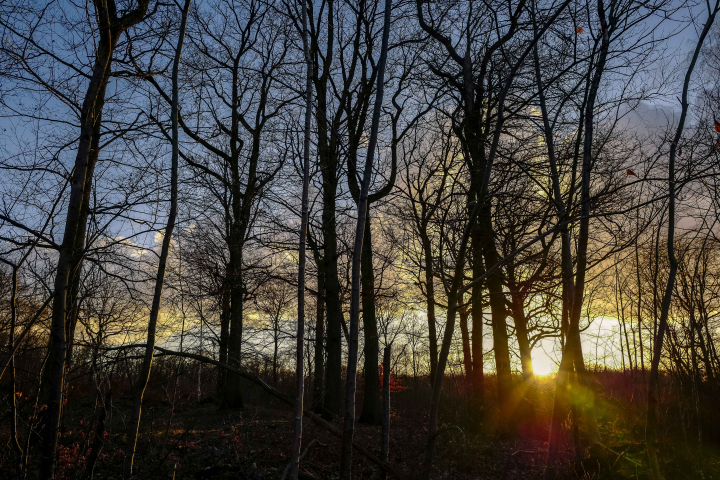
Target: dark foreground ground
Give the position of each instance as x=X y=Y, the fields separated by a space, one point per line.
x=203 y=442
x=186 y=439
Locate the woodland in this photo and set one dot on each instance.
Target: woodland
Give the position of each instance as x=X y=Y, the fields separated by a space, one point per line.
x=377 y=239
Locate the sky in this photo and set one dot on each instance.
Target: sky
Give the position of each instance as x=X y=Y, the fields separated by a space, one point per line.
x=648 y=116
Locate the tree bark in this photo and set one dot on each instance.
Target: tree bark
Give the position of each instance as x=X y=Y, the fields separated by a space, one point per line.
x=430 y=299
x=224 y=337
x=478 y=366
x=498 y=315
x=333 y=305
x=521 y=332
x=318 y=390
x=465 y=335
x=372 y=409
x=385 y=444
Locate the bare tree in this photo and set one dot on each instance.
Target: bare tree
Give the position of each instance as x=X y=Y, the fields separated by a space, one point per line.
x=650 y=426
x=144 y=375
x=108 y=25
x=349 y=423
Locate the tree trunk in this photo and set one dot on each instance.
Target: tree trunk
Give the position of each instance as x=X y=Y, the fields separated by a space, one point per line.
x=465 y=334
x=498 y=315
x=521 y=331
x=476 y=311
x=652 y=402
x=430 y=301
x=318 y=391
x=639 y=306
x=385 y=444
x=349 y=422
x=333 y=369
x=372 y=409
x=99 y=439
x=14 y=441
x=302 y=253
x=224 y=337
x=529 y=387
x=83 y=168
x=562 y=383
x=232 y=396
x=276 y=340
x=144 y=376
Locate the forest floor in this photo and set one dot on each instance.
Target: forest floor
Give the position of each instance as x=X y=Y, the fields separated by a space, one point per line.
x=198 y=440
x=204 y=442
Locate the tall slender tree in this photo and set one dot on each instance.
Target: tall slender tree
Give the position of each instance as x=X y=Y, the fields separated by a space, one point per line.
x=349 y=422
x=144 y=376
x=299 y=364
x=110 y=26
x=652 y=399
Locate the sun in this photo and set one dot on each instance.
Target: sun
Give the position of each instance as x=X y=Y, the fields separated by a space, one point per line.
x=543 y=364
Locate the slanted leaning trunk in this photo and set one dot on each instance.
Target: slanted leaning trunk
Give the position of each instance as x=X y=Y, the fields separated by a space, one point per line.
x=349 y=422
x=144 y=375
x=109 y=30
x=652 y=401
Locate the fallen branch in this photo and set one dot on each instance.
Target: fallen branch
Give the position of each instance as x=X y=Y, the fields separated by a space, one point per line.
x=324 y=424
